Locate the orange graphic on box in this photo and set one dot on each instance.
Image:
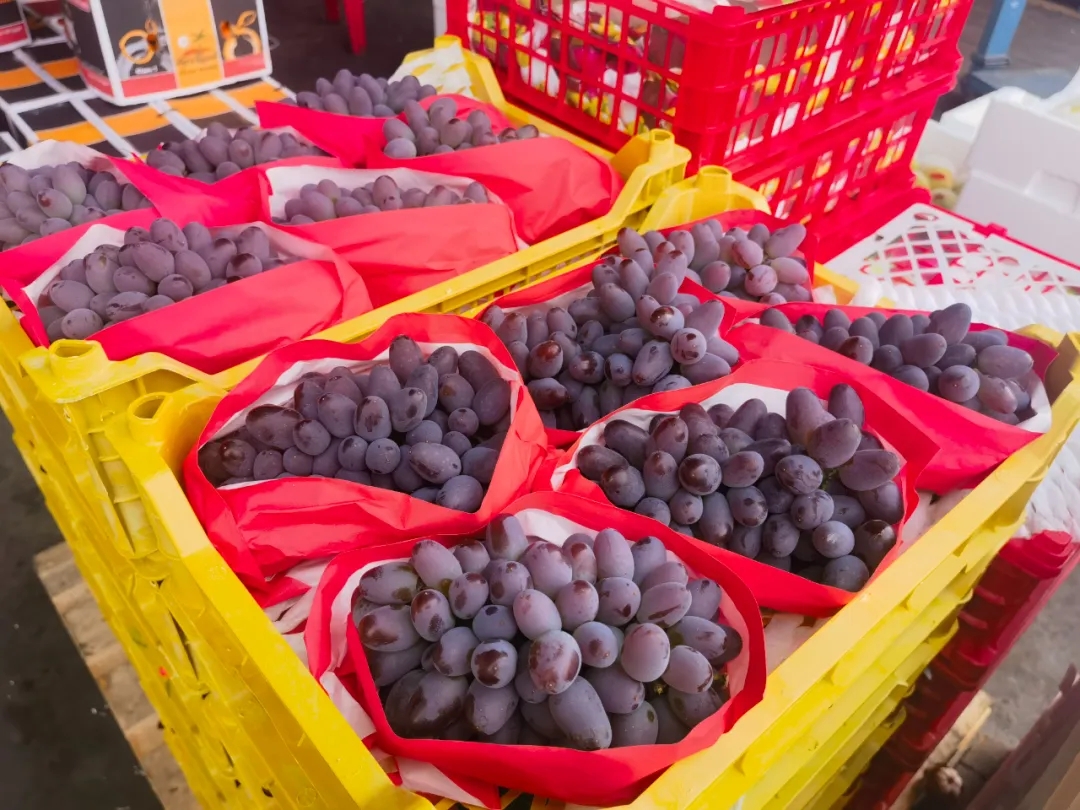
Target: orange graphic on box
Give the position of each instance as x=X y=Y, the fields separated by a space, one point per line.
x=232 y=34
x=140 y=46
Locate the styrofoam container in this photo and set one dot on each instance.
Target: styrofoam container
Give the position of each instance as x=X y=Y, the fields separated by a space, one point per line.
x=1025 y=174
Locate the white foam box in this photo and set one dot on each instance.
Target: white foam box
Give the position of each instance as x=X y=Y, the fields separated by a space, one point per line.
x=134 y=51
x=1024 y=174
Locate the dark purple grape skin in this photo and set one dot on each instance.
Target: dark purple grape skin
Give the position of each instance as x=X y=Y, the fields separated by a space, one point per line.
x=619 y=601
x=847 y=573
x=869 y=469
x=812 y=509
x=858 y=348
x=747 y=506
x=273 y=425
x=623 y=486
x=579 y=712
x=799 y=474
x=844 y=403
x=883 y=503
x=619 y=693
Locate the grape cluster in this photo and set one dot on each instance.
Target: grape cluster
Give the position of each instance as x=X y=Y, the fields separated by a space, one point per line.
x=325 y=200
x=807 y=492
x=43 y=201
x=153 y=268
x=754 y=265
x=220 y=153
x=633 y=334
x=601 y=643
x=438 y=130
x=364 y=95
x=934 y=353
x=430 y=428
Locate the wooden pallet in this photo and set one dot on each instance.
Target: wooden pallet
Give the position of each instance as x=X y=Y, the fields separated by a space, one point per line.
x=950 y=751
x=115 y=677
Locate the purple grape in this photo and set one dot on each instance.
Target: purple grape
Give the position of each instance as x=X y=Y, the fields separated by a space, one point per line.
x=645 y=653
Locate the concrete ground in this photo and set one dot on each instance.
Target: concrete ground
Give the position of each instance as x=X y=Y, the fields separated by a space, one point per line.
x=59 y=748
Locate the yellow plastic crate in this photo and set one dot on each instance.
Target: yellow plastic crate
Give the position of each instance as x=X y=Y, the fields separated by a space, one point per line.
x=819 y=705
x=839 y=765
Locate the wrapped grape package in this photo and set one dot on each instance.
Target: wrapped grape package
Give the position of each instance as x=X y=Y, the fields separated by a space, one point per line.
x=640 y=320
x=173 y=302
x=430 y=240
x=54 y=187
x=804 y=500
x=551 y=185
x=968 y=363
x=347 y=136
x=609 y=754
x=342 y=438
x=178 y=192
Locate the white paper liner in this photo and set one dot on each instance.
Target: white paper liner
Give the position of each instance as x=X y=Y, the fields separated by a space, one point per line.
x=56 y=153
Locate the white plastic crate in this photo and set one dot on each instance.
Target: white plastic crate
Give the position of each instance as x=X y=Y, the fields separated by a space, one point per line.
x=1024 y=172
x=927 y=258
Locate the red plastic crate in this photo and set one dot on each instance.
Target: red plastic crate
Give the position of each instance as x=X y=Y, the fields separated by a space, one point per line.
x=1018 y=583
x=858 y=172
x=730 y=82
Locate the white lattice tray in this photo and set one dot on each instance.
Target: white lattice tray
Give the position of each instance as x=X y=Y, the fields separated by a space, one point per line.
x=926 y=247
x=927 y=258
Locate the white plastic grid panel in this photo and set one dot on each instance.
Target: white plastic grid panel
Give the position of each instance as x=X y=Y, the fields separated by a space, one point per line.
x=926 y=247
x=927 y=259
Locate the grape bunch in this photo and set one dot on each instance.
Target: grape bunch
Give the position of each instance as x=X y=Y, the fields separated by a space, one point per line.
x=220 y=153
x=437 y=130
x=600 y=643
x=754 y=265
x=325 y=200
x=364 y=95
x=633 y=334
x=153 y=268
x=49 y=199
x=429 y=428
x=807 y=492
x=934 y=353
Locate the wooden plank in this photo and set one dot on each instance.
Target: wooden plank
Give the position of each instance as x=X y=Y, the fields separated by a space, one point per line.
x=116 y=678
x=1020 y=774
x=950 y=750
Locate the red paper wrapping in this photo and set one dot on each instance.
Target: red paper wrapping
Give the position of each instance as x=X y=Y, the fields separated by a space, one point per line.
x=220 y=328
x=970 y=444
x=613 y=776
x=774 y=588
x=238 y=198
x=264 y=528
x=551 y=185
x=346 y=136
x=398 y=253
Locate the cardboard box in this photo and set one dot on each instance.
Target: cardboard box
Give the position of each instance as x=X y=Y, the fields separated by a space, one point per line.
x=133 y=51
x=14 y=32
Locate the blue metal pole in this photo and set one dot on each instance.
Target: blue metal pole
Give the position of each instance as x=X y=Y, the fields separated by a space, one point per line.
x=993 y=50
